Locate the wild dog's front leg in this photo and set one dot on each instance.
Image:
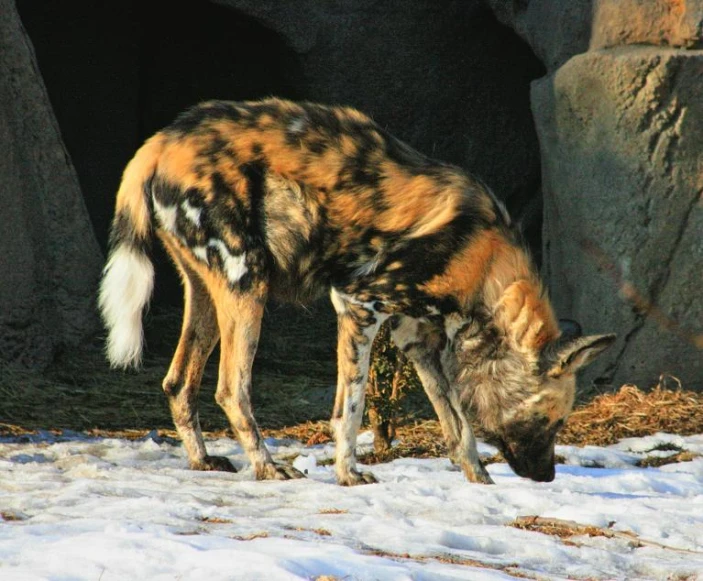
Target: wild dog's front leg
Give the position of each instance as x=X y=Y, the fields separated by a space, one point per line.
x=240 y=324
x=423 y=343
x=357 y=327
x=199 y=336
x=459 y=435
x=466 y=453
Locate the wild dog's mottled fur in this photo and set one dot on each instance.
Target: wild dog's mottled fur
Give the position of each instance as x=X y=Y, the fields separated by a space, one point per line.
x=277 y=199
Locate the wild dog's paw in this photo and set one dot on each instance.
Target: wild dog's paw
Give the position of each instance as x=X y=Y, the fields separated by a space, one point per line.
x=354 y=478
x=214 y=463
x=476 y=474
x=278 y=472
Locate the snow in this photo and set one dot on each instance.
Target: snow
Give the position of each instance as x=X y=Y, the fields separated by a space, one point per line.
x=82 y=508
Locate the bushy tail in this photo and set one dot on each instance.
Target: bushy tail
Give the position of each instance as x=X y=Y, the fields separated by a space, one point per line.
x=128 y=276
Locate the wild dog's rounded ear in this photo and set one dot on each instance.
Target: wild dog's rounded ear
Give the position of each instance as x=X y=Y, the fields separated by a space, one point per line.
x=568 y=356
x=570 y=329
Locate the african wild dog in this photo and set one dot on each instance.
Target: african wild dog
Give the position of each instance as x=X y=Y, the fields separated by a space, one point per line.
x=276 y=199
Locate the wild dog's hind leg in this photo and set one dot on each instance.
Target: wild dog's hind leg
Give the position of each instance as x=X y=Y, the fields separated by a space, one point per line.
x=199 y=335
x=423 y=343
x=239 y=315
x=357 y=326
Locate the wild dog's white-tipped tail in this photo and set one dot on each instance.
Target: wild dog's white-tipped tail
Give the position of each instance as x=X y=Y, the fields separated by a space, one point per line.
x=126 y=288
x=128 y=277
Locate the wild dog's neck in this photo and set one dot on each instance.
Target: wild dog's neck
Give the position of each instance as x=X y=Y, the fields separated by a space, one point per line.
x=495 y=274
x=509 y=321
x=513 y=293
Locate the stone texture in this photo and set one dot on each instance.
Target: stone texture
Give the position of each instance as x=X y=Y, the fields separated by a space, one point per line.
x=555 y=29
x=622 y=159
x=49 y=259
x=676 y=23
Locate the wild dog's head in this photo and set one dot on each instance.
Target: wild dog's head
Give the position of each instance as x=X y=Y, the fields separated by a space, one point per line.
x=517 y=373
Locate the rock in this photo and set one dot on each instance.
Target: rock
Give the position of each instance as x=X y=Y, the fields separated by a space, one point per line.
x=621 y=136
x=49 y=258
x=555 y=29
x=676 y=23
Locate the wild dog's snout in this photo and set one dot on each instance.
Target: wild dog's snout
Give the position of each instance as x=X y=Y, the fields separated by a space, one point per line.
x=537 y=467
x=528 y=447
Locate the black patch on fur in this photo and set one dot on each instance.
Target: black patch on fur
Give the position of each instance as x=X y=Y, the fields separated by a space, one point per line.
x=165 y=193
x=122 y=233
x=193 y=119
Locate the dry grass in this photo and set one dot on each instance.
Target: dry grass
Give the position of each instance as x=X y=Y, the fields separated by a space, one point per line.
x=251 y=537
x=511 y=569
x=333 y=511
x=556 y=528
x=565 y=530
x=631 y=412
x=657 y=461
x=320 y=532
x=608 y=418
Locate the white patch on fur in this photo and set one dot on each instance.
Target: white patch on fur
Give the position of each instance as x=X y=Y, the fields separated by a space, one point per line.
x=201 y=253
x=297 y=125
x=191 y=212
x=235 y=266
x=338 y=301
x=500 y=205
x=369 y=267
x=166 y=215
x=452 y=324
x=127 y=284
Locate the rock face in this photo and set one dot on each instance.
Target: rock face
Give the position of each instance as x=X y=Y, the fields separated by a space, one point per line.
x=49 y=261
x=675 y=23
x=621 y=134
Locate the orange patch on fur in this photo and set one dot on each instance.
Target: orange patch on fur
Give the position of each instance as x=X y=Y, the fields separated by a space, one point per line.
x=526 y=315
x=466 y=272
x=130 y=195
x=417 y=202
x=177 y=163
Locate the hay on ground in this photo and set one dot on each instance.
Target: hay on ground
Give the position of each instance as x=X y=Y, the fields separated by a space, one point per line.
x=631 y=412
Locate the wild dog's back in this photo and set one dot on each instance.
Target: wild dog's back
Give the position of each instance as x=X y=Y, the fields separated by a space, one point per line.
x=315 y=196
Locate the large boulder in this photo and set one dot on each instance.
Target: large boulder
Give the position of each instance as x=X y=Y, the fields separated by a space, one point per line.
x=676 y=23
x=621 y=134
x=49 y=259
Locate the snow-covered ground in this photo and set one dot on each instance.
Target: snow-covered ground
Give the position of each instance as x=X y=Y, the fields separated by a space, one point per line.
x=78 y=508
